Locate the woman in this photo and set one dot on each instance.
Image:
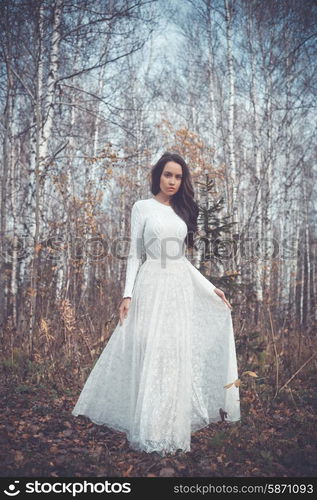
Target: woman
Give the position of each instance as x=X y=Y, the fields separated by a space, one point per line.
x=162 y=373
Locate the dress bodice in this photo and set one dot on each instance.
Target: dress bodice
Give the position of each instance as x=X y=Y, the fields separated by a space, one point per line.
x=163 y=231
x=157 y=233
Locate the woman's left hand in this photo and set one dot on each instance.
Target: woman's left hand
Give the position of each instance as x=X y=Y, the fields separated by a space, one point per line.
x=221 y=294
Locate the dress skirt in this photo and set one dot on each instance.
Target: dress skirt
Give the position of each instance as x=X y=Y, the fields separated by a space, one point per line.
x=161 y=376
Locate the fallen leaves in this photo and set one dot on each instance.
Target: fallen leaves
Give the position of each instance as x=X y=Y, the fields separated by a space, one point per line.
x=167 y=472
x=42 y=438
x=252 y=374
x=237 y=382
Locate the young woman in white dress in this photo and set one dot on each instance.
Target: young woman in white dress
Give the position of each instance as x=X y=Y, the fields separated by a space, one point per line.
x=163 y=372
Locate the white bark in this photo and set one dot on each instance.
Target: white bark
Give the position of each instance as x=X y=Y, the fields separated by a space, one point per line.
x=211 y=80
x=14 y=207
x=254 y=96
x=6 y=168
x=35 y=155
x=267 y=235
x=48 y=111
x=233 y=186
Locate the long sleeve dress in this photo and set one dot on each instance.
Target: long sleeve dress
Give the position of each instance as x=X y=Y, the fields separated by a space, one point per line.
x=161 y=376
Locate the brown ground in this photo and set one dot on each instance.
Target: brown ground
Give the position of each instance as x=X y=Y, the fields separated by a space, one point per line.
x=40 y=437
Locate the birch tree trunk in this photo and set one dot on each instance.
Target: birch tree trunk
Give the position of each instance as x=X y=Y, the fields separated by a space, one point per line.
x=232 y=174
x=35 y=172
x=48 y=110
x=14 y=211
x=267 y=235
x=6 y=167
x=254 y=95
x=307 y=262
x=211 y=80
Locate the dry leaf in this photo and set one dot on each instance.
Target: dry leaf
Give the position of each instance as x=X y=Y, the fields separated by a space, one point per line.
x=167 y=472
x=228 y=385
x=252 y=374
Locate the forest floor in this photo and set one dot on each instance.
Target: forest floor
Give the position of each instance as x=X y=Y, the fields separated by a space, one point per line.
x=40 y=437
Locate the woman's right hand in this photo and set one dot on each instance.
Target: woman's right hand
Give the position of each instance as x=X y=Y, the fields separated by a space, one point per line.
x=124 y=308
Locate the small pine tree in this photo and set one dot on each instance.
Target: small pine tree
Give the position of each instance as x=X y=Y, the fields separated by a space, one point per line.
x=213 y=226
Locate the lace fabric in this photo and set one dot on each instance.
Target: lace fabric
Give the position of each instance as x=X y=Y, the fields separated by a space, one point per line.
x=162 y=374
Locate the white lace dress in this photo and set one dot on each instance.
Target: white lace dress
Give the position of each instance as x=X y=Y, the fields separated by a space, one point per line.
x=162 y=374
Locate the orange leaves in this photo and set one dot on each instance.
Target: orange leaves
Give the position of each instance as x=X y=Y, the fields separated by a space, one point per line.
x=38 y=248
x=198 y=153
x=68 y=315
x=252 y=374
x=18 y=456
x=106 y=153
x=237 y=382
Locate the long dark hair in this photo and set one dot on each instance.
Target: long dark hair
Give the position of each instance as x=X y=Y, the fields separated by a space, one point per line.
x=183 y=201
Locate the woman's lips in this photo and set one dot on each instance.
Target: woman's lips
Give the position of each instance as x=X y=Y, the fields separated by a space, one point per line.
x=171 y=189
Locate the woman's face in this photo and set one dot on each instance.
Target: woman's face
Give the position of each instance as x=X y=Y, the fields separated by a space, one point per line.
x=171 y=177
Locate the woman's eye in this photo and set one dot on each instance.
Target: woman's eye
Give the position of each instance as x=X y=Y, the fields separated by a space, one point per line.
x=178 y=176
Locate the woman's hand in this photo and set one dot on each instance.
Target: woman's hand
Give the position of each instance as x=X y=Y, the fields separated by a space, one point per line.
x=124 y=308
x=221 y=294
